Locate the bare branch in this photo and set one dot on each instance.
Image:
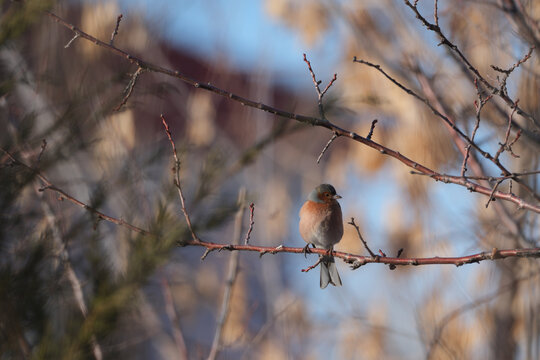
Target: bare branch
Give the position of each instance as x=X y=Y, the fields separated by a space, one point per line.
x=360 y=260
x=129 y=88
x=334 y=137
x=371 y=129
x=435 y=12
x=231 y=277
x=504 y=145
x=317 y=83
x=301 y=118
x=177 y=179
x=454 y=49
x=251 y=222
x=361 y=238
x=115 y=32
x=47 y=185
x=311 y=267
x=488 y=178
x=478 y=104
x=347 y=257
x=494 y=189
x=70 y=41
x=173 y=318
x=41 y=151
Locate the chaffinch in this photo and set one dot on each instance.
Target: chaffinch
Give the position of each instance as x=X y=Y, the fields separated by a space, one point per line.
x=321 y=225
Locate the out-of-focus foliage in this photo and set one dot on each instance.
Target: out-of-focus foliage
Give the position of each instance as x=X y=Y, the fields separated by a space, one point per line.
x=75 y=286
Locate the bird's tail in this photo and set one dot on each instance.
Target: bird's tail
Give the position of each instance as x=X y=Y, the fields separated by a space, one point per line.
x=329 y=273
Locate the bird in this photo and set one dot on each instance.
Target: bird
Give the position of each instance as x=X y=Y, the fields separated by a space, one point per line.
x=321 y=225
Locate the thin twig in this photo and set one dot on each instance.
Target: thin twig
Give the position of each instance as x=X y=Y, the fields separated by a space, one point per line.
x=129 y=88
x=329 y=85
x=60 y=248
x=177 y=179
x=451 y=178
x=311 y=267
x=41 y=151
x=115 y=32
x=334 y=137
x=493 y=191
x=504 y=145
x=371 y=129
x=320 y=95
x=399 y=252
x=173 y=319
x=251 y=222
x=316 y=82
x=436 y=13
x=361 y=238
x=478 y=104
x=231 y=277
x=70 y=41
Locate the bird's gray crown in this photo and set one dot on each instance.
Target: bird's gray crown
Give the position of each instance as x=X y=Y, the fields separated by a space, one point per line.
x=314 y=195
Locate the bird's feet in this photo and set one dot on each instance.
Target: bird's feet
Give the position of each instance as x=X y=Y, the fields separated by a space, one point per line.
x=307 y=249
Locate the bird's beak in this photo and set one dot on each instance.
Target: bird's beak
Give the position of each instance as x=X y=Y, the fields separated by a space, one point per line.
x=335 y=197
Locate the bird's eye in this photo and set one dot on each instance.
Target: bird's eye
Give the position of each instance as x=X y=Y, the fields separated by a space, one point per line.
x=327 y=194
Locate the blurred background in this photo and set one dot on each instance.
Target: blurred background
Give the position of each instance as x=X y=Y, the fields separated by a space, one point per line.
x=73 y=286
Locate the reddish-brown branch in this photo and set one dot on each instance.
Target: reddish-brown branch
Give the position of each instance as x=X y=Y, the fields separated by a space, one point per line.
x=304 y=119
x=359 y=260
x=311 y=267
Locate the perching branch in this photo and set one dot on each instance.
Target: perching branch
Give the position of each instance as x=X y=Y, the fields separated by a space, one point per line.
x=359 y=260
x=353 y=259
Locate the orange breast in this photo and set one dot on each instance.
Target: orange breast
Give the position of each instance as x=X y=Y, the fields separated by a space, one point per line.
x=321 y=224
